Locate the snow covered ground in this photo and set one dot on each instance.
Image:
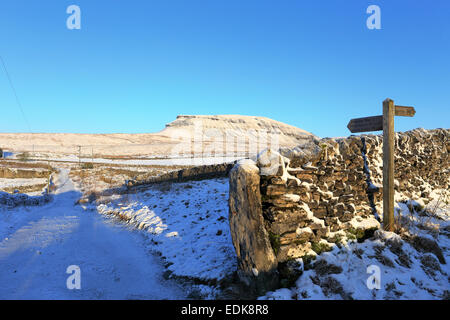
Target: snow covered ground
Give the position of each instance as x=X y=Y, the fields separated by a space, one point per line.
x=186 y=222
x=412 y=266
x=14 y=183
x=172 y=241
x=38 y=244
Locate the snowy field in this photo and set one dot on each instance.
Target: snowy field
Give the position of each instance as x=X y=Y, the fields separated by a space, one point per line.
x=15 y=183
x=172 y=241
x=186 y=222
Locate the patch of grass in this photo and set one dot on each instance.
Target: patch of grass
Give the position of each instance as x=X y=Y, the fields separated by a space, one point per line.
x=87 y=165
x=358 y=252
x=299 y=242
x=274 y=242
x=430 y=265
x=350 y=236
x=354 y=234
x=403 y=258
x=337 y=239
x=332 y=286
x=307 y=261
x=323 y=268
x=426 y=245
x=19 y=165
x=360 y=234
x=382 y=258
x=319 y=247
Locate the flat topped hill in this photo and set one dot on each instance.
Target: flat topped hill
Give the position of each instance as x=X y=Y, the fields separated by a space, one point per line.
x=210 y=133
x=236 y=122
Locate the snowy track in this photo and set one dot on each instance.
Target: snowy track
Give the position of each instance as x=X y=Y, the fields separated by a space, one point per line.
x=38 y=244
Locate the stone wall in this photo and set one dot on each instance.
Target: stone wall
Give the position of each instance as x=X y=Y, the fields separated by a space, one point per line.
x=20 y=199
x=16 y=173
x=188 y=174
x=331 y=190
x=422 y=163
x=317 y=197
x=183 y=175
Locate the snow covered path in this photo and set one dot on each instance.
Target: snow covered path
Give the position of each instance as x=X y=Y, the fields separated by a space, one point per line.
x=37 y=244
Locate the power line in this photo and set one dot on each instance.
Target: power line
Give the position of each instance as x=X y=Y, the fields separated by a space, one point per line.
x=15 y=94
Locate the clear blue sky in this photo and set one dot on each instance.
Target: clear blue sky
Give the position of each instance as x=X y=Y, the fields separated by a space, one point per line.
x=135 y=65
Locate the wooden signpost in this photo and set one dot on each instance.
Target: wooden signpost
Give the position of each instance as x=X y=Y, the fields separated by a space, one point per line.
x=385 y=123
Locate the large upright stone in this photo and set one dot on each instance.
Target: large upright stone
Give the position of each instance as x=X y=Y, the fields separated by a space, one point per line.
x=257 y=262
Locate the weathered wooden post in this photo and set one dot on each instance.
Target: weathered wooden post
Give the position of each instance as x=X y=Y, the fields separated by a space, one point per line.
x=385 y=123
x=388 y=164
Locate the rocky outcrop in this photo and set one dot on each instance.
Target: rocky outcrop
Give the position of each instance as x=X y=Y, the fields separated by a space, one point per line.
x=256 y=259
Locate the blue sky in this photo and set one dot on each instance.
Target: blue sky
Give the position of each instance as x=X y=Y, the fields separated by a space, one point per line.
x=135 y=65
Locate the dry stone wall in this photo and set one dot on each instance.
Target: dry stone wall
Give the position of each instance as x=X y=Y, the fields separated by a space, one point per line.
x=331 y=189
x=20 y=199
x=187 y=174
x=422 y=163
x=183 y=175
x=317 y=197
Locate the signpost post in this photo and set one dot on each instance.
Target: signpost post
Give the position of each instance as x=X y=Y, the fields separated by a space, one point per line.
x=385 y=123
x=388 y=164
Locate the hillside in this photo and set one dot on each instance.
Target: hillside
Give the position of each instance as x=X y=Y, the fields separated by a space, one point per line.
x=218 y=135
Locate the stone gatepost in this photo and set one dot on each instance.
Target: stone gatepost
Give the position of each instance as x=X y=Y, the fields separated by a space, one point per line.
x=256 y=259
